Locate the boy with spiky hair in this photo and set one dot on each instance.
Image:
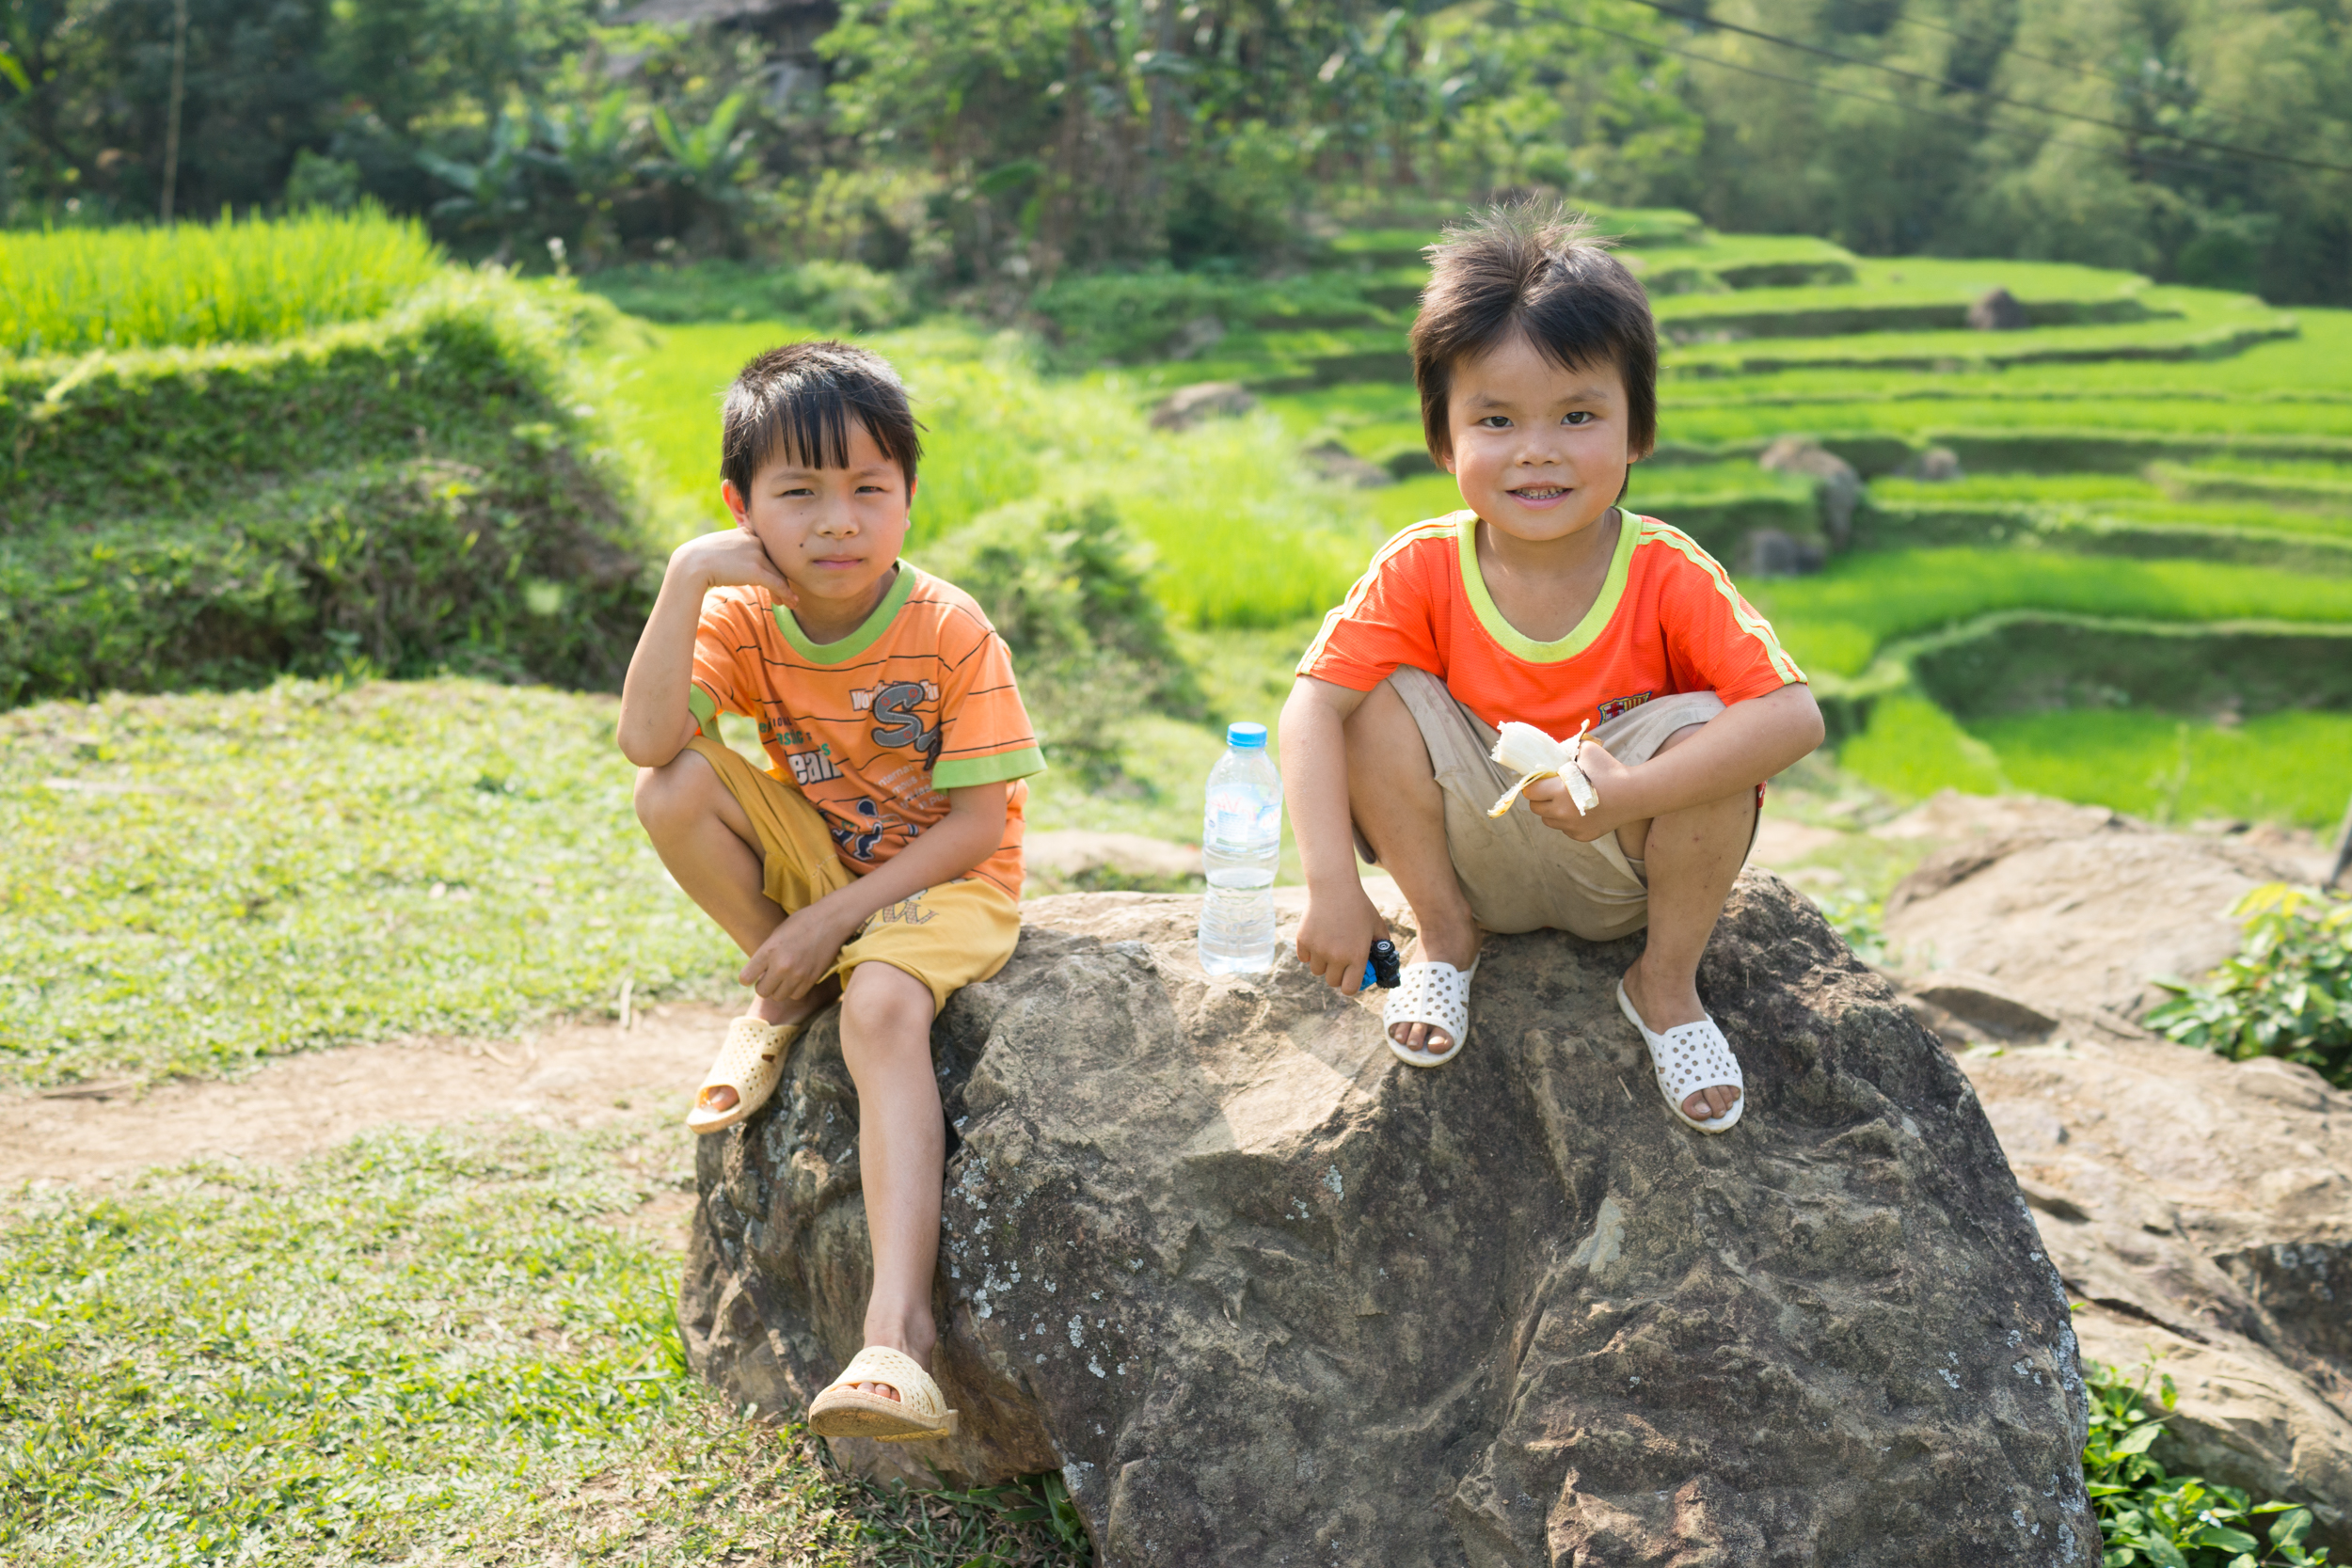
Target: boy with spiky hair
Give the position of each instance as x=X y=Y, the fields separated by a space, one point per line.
x=879 y=859
x=1546 y=603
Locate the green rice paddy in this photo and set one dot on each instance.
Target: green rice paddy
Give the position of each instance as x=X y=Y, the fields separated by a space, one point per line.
x=239 y=280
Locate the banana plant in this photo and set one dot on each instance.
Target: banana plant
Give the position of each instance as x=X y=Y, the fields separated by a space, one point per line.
x=709 y=160
x=495 y=193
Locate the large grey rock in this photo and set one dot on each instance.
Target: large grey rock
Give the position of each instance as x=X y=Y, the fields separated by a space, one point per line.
x=2202 y=1209
x=1267 y=1295
x=1837 y=483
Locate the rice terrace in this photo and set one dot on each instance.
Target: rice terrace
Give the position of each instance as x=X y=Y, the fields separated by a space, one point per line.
x=348 y=1017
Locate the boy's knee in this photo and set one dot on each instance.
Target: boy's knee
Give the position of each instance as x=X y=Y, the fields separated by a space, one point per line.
x=883 y=1002
x=673 y=795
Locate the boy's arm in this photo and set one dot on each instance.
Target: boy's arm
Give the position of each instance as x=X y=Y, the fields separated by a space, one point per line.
x=799 y=951
x=1746 y=743
x=1340 y=924
x=656 y=722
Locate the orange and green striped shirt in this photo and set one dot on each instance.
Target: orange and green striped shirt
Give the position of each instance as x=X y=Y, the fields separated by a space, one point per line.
x=1667 y=621
x=918 y=700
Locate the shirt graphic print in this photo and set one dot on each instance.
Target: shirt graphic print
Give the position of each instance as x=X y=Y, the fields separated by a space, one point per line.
x=873 y=729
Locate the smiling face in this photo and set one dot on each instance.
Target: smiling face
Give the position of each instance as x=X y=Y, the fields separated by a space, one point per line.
x=834 y=532
x=1540 y=452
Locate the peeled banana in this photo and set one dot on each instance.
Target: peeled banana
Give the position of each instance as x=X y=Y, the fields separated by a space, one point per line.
x=1536 y=755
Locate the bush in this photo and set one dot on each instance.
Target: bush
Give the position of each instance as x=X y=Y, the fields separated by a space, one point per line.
x=235 y=282
x=2147 y=1516
x=421 y=490
x=1070 y=589
x=2288 y=993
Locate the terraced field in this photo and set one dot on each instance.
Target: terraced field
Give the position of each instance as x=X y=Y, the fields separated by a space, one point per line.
x=2106 y=554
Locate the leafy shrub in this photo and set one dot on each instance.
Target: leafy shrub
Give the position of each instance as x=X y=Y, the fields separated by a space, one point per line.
x=1133 y=316
x=2148 y=1516
x=1070 y=589
x=246 y=281
x=422 y=490
x=2287 y=993
x=834 y=295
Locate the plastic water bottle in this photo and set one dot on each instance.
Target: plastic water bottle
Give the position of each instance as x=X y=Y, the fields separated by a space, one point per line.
x=1241 y=843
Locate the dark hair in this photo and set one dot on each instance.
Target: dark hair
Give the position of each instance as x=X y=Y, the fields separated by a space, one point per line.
x=1538 y=271
x=800 y=399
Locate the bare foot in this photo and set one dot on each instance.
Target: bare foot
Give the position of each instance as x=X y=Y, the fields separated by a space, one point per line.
x=1663 y=1008
x=1455 y=946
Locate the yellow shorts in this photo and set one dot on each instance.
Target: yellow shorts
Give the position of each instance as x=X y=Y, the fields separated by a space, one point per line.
x=947 y=935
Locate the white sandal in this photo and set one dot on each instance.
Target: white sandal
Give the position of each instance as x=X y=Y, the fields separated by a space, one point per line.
x=752 y=1064
x=918 y=1413
x=1432 y=993
x=1687 y=1058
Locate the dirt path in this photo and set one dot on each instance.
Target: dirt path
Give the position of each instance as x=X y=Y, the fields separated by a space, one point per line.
x=573 y=1075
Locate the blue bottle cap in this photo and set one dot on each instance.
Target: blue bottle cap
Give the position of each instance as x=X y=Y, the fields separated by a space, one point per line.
x=1247 y=737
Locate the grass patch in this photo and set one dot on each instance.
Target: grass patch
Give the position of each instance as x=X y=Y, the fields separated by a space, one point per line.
x=192 y=884
x=240 y=280
x=1242 y=535
x=2281 y=766
x=1836 y=623
x=451 y=1346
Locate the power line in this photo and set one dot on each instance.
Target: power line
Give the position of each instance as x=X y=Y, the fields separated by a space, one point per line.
x=1701 y=20
x=2078 y=69
x=1818 y=86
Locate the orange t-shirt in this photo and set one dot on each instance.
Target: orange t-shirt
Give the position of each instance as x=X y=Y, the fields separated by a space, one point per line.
x=1667 y=621
x=871 y=729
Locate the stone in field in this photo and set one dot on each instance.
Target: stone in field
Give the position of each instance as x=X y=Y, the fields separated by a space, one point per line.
x=1186 y=406
x=1838 y=484
x=1998 y=310
x=1265 y=1294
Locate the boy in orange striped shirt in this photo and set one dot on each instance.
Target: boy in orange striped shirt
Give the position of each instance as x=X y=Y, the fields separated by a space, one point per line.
x=1547 y=604
x=878 y=860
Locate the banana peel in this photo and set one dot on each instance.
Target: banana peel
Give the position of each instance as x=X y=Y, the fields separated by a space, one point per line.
x=1534 y=754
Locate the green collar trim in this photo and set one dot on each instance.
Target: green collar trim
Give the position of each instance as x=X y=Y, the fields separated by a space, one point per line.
x=858 y=641
x=1518 y=643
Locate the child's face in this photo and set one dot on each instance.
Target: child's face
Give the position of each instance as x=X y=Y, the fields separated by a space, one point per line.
x=1539 y=452
x=832 y=532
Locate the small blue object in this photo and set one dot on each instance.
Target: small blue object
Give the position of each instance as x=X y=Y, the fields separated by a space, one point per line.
x=1247 y=736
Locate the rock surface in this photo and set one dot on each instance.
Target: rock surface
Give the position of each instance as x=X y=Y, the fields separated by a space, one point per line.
x=2203 y=1209
x=1998 y=310
x=2077 y=906
x=1187 y=406
x=1839 y=484
x=1267 y=1295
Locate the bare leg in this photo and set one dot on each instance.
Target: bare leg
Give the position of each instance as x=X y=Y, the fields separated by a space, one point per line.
x=1392 y=793
x=902 y=1149
x=1694 y=856
x=701 y=833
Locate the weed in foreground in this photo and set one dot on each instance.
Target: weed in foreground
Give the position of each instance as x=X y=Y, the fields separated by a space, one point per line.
x=2287 y=993
x=2148 y=1516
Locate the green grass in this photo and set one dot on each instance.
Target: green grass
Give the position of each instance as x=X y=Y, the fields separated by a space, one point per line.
x=453 y=1346
x=2281 y=766
x=1835 y=624
x=190 y=883
x=238 y=280
x=1244 y=535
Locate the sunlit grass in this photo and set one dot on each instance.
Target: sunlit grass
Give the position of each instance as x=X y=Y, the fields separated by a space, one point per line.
x=1835 y=622
x=419 y=1346
x=1245 y=536
x=237 y=281
x=2281 y=766
x=188 y=884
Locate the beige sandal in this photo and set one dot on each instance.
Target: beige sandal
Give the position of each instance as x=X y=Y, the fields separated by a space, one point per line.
x=752 y=1064
x=919 y=1412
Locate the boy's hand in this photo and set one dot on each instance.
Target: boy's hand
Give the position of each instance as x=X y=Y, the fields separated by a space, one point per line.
x=801 y=952
x=733 y=558
x=1337 y=936
x=1612 y=781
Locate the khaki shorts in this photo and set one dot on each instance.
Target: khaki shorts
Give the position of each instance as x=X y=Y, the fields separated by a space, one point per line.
x=947 y=936
x=1518 y=873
